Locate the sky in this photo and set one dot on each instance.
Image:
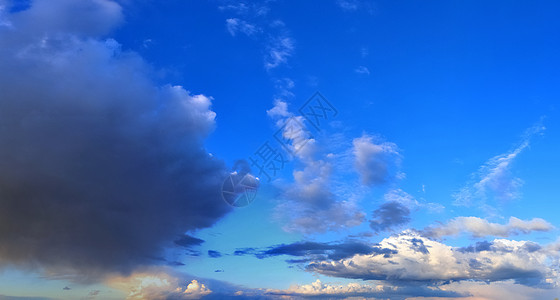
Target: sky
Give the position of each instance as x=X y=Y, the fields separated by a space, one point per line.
x=277 y=149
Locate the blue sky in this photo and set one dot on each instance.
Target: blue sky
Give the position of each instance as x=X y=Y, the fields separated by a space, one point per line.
x=436 y=178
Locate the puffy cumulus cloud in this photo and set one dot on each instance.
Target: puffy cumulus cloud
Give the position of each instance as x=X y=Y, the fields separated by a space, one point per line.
x=422 y=260
x=280 y=109
x=322 y=290
x=100 y=168
x=377 y=163
x=478 y=227
x=159 y=285
x=494 y=178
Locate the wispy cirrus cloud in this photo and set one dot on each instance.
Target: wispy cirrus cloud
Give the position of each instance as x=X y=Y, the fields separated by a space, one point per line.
x=279 y=49
x=494 y=179
x=252 y=20
x=478 y=227
x=236 y=25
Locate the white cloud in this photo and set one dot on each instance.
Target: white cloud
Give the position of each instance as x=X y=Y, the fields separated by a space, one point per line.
x=158 y=285
x=494 y=178
x=235 y=25
x=318 y=288
x=279 y=110
x=241 y=8
x=279 y=50
x=310 y=203
x=349 y=5
x=480 y=227
x=377 y=163
x=420 y=259
x=362 y=70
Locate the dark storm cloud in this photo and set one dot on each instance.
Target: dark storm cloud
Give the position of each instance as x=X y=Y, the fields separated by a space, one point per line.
x=214 y=253
x=99 y=168
x=389 y=215
x=324 y=251
x=187 y=241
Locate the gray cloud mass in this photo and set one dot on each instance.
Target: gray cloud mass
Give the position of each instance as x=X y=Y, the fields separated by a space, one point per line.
x=99 y=168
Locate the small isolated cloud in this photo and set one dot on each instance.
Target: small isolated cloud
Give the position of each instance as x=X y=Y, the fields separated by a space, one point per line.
x=377 y=163
x=478 y=227
x=348 y=5
x=362 y=70
x=214 y=253
x=247 y=9
x=388 y=215
x=279 y=49
x=279 y=110
x=494 y=179
x=356 y=5
x=419 y=259
x=235 y=26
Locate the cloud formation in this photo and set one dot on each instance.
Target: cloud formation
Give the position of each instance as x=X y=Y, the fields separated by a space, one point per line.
x=317 y=250
x=478 y=227
x=494 y=179
x=100 y=168
x=389 y=215
x=422 y=260
x=159 y=285
x=236 y=25
x=377 y=163
x=310 y=203
x=338 y=291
